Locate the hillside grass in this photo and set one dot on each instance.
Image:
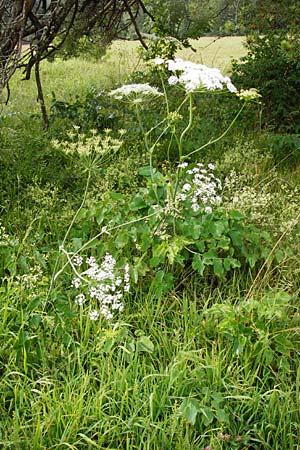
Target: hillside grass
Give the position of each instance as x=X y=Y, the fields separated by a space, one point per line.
x=210 y=364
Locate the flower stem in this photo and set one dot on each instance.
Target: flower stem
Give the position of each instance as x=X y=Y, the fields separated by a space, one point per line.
x=213 y=141
x=190 y=98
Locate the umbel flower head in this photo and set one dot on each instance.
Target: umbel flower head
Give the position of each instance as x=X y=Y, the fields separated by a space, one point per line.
x=104 y=283
x=196 y=76
x=134 y=91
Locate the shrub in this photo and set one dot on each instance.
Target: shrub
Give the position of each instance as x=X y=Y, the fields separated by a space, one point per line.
x=272 y=70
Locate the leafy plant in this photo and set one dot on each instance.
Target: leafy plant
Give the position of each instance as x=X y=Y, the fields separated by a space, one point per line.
x=271 y=69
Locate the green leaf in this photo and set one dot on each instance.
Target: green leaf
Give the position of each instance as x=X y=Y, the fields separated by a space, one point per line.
x=218 y=268
x=146 y=172
x=137 y=203
x=35 y=320
x=207 y=415
x=231 y=262
x=236 y=215
x=77 y=244
x=122 y=239
x=189 y=409
x=144 y=344
x=222 y=416
x=198 y=264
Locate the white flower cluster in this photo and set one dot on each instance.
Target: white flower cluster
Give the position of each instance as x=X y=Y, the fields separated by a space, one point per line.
x=195 y=76
x=201 y=188
x=135 y=90
x=104 y=283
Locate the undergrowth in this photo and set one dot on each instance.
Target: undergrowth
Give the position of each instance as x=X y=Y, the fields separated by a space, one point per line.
x=204 y=352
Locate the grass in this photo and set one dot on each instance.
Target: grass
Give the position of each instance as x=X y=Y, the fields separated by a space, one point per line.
x=212 y=364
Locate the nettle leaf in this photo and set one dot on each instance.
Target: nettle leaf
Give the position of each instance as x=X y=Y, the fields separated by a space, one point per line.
x=189 y=409
x=77 y=244
x=236 y=215
x=139 y=269
x=218 y=228
x=224 y=243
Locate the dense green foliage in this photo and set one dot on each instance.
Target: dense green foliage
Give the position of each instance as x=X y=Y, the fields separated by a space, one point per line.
x=275 y=72
x=205 y=354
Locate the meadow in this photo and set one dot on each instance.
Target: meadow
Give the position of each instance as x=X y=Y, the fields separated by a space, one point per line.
x=149 y=261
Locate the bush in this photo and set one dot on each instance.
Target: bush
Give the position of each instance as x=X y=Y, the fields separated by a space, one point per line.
x=270 y=68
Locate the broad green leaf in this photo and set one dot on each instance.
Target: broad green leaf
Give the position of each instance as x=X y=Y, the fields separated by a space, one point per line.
x=198 y=264
x=222 y=416
x=144 y=344
x=207 y=415
x=218 y=268
x=189 y=410
x=137 y=203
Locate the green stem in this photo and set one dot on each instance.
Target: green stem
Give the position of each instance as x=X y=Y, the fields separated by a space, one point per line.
x=190 y=98
x=165 y=93
x=103 y=231
x=61 y=247
x=213 y=141
x=138 y=115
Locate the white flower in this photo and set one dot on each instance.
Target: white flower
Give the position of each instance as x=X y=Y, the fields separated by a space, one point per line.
x=208 y=209
x=186 y=187
x=80 y=299
x=194 y=76
x=211 y=166
x=182 y=165
x=181 y=197
x=130 y=89
x=158 y=61
x=91 y=260
x=249 y=94
x=94 y=315
x=173 y=80
x=76 y=282
x=195 y=207
x=77 y=260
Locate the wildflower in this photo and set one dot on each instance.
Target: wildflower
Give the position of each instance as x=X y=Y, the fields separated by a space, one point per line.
x=76 y=283
x=127 y=90
x=105 y=284
x=186 y=187
x=173 y=80
x=195 y=76
x=80 y=299
x=181 y=197
x=182 y=165
x=94 y=315
x=208 y=209
x=248 y=94
x=158 y=61
x=77 y=260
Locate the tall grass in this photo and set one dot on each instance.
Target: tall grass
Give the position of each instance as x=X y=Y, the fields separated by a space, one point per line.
x=210 y=365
